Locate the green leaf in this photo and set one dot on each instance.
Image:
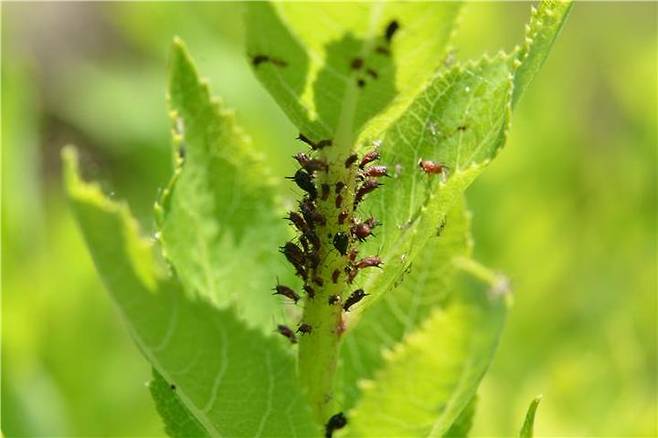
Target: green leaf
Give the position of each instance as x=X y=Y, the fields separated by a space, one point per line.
x=546 y=21
x=464 y=422
x=315 y=82
x=429 y=378
x=233 y=379
x=385 y=323
x=529 y=423
x=218 y=216
x=179 y=422
x=460 y=120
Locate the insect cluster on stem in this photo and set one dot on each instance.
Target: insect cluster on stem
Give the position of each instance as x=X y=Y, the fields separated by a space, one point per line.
x=325 y=193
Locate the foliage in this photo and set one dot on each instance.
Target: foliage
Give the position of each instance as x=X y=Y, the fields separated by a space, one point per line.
x=204 y=325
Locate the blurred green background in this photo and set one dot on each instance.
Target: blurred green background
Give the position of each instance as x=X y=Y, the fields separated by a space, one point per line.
x=568 y=210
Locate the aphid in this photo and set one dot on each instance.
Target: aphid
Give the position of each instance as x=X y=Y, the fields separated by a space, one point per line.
x=351 y=160
x=325 y=191
x=375 y=171
x=333 y=299
x=314 y=258
x=339 y=187
x=182 y=152
x=373 y=74
x=361 y=231
x=310 y=164
x=342 y=216
x=293 y=253
x=441 y=226
x=341 y=240
x=337 y=421
x=351 y=273
x=369 y=157
x=431 y=167
x=354 y=298
x=256 y=60
x=304 y=329
x=172 y=387
x=286 y=292
x=287 y=332
x=305 y=182
x=339 y=201
x=392 y=27
x=368 y=186
x=382 y=50
x=297 y=220
x=323 y=143
x=462 y=128
x=356 y=63
x=319 y=281
x=311 y=215
x=313 y=238
x=352 y=255
x=335 y=275
x=369 y=262
x=360 y=83
x=309 y=291
x=306 y=246
x=301 y=137
x=301 y=271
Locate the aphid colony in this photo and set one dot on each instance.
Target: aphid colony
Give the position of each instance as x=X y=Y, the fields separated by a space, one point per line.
x=303 y=252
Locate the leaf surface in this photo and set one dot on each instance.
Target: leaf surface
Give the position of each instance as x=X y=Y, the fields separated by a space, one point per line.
x=429 y=378
x=234 y=380
x=219 y=220
x=546 y=22
x=527 y=431
x=424 y=286
x=317 y=81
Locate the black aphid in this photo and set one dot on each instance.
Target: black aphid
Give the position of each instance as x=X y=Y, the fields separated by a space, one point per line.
x=304 y=329
x=309 y=291
x=280 y=289
x=293 y=253
x=336 y=422
x=369 y=157
x=172 y=387
x=351 y=160
x=325 y=191
x=256 y=60
x=323 y=143
x=342 y=216
x=382 y=50
x=287 y=332
x=298 y=221
x=341 y=240
x=356 y=63
x=373 y=74
x=311 y=215
x=354 y=298
x=392 y=27
x=339 y=201
x=335 y=275
x=333 y=299
x=182 y=152
x=360 y=83
x=313 y=238
x=319 y=281
x=305 y=182
x=339 y=187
